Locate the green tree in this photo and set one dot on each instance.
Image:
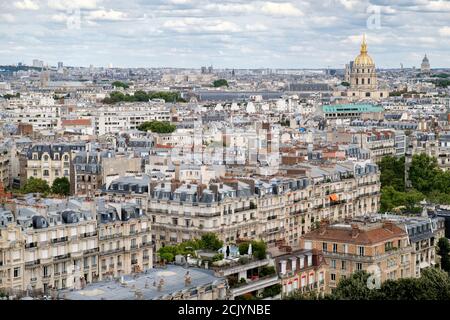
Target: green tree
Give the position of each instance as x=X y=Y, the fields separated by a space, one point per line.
x=157 y=126
x=422 y=171
x=392 y=172
x=210 y=241
x=220 y=83
x=36 y=185
x=61 y=186
x=443 y=251
x=354 y=288
x=345 y=84
x=120 y=84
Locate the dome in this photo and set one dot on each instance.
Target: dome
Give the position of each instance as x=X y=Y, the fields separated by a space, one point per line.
x=425 y=59
x=363 y=58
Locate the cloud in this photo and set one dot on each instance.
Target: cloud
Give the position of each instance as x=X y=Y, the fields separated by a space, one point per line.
x=285 y=9
x=26 y=5
x=198 y=25
x=444 y=31
x=7 y=17
x=73 y=4
x=104 y=15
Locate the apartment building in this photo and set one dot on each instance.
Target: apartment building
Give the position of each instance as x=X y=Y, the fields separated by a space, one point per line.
x=124 y=117
x=379 y=247
x=300 y=270
x=5 y=166
x=125 y=244
x=44 y=252
x=48 y=161
x=86 y=174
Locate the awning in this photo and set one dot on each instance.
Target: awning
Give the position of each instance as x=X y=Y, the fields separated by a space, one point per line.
x=334 y=197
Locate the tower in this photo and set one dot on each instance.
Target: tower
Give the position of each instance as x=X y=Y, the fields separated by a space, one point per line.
x=363 y=76
x=425 y=66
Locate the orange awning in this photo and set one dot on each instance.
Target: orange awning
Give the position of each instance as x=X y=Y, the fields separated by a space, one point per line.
x=334 y=197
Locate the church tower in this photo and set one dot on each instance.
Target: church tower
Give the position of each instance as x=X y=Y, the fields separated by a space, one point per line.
x=363 y=76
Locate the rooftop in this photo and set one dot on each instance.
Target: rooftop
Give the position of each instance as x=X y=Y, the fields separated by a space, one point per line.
x=173 y=282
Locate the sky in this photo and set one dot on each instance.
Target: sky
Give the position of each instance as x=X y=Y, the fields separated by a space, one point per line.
x=225 y=34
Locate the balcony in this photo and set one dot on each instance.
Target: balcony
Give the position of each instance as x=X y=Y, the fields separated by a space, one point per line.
x=110 y=236
x=116 y=250
x=62 y=257
x=59 y=240
x=90 y=251
x=29 y=264
x=255 y=285
x=89 y=234
x=30 y=245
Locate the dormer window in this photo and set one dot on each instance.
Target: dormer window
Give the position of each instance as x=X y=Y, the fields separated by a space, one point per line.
x=46 y=158
x=56 y=156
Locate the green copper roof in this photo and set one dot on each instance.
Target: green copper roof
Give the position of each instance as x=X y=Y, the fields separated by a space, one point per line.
x=336 y=108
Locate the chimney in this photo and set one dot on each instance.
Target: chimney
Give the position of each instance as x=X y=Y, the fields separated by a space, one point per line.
x=389 y=225
x=323 y=226
x=355 y=230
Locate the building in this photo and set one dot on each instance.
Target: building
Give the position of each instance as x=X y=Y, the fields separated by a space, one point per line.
x=48 y=161
x=379 y=247
x=124 y=241
x=363 y=77
x=168 y=283
x=300 y=270
x=86 y=173
x=425 y=66
x=47 y=247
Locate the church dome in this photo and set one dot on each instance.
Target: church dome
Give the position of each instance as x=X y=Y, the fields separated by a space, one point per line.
x=363 y=59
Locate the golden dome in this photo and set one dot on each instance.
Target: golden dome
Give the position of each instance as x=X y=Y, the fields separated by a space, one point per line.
x=363 y=58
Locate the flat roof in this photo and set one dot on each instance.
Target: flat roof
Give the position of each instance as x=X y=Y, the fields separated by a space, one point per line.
x=337 y=108
x=173 y=282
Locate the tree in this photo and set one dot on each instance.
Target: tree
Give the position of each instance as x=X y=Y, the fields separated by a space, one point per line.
x=220 y=83
x=345 y=84
x=393 y=172
x=211 y=242
x=61 y=186
x=443 y=251
x=422 y=171
x=157 y=126
x=120 y=84
x=259 y=248
x=36 y=185
x=354 y=287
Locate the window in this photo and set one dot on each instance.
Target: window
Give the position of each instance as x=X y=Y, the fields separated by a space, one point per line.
x=66 y=158
x=333 y=277
x=46 y=158
x=46 y=173
x=343 y=265
x=17 y=272
x=361 y=251
x=56 y=156
x=335 y=246
x=333 y=264
x=358 y=266
x=345 y=247
x=324 y=247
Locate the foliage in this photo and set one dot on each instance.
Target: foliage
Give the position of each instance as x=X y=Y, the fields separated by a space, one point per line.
x=217 y=257
x=208 y=241
x=36 y=185
x=9 y=96
x=423 y=169
x=157 y=126
x=120 y=84
x=267 y=271
x=443 y=251
x=428 y=182
x=258 y=248
x=142 y=96
x=345 y=84
x=391 y=198
x=392 y=172
x=61 y=186
x=433 y=284
x=220 y=83
x=271 y=291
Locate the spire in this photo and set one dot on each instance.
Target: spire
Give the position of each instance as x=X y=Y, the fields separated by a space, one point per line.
x=364 y=45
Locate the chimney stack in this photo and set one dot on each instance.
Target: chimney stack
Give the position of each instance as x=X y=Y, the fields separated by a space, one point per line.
x=355 y=230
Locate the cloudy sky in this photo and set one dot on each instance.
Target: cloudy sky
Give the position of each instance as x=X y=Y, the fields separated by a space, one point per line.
x=234 y=33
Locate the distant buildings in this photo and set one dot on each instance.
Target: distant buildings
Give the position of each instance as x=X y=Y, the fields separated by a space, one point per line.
x=425 y=66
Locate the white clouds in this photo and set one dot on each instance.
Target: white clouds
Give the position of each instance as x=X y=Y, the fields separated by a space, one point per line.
x=26 y=5
x=198 y=25
x=256 y=27
x=72 y=4
x=285 y=9
x=444 y=31
x=106 y=15
x=7 y=17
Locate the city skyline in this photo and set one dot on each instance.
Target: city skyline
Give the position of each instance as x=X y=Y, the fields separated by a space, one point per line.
x=226 y=34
